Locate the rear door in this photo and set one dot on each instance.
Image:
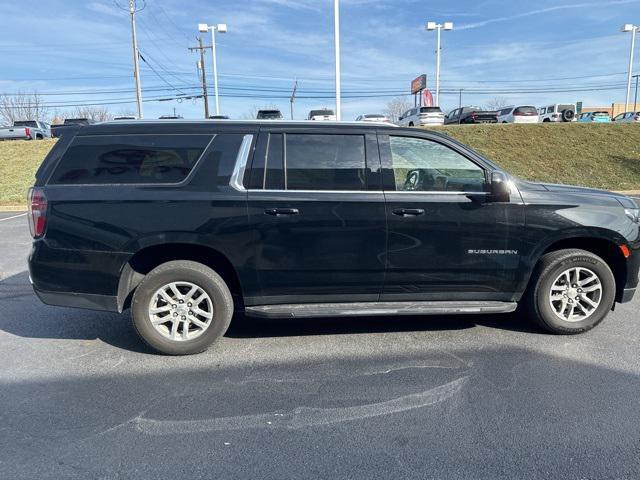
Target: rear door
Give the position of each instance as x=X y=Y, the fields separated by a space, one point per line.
x=317 y=209
x=447 y=239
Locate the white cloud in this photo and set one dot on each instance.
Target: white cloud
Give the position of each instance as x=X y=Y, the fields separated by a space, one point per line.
x=583 y=5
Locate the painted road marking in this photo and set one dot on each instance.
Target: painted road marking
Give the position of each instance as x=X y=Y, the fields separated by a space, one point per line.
x=11 y=218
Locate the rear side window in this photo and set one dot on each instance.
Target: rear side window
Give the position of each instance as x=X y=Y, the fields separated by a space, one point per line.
x=129 y=159
x=325 y=162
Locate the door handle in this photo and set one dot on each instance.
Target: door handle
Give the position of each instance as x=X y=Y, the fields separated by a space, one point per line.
x=408 y=212
x=278 y=212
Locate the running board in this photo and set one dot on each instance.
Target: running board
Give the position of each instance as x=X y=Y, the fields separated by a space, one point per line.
x=363 y=309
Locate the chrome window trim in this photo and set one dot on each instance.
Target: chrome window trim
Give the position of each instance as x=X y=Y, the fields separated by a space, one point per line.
x=255 y=190
x=237 y=177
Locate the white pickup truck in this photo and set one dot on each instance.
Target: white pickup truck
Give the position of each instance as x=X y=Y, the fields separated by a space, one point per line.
x=26 y=130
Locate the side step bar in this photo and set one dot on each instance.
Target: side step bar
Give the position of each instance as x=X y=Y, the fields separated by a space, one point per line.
x=310 y=310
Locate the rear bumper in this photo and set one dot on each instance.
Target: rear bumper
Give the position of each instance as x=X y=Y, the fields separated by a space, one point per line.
x=78 y=300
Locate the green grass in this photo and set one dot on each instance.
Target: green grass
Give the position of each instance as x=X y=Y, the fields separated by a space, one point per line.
x=601 y=156
x=19 y=160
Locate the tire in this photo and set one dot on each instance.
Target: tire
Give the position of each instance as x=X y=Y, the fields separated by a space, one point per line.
x=568 y=115
x=548 y=273
x=546 y=120
x=186 y=274
x=411 y=124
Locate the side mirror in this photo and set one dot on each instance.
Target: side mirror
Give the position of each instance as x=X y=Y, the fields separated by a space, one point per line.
x=500 y=188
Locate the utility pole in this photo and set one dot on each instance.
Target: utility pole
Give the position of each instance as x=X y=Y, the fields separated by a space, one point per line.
x=136 y=70
x=201 y=49
x=635 y=98
x=293 y=97
x=460 y=99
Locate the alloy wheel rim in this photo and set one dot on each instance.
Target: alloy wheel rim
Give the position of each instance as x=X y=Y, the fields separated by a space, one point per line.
x=181 y=311
x=575 y=294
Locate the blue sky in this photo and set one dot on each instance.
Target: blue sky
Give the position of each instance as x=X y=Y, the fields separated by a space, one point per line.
x=74 y=47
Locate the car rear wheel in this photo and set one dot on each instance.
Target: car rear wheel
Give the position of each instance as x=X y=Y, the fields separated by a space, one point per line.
x=571 y=291
x=411 y=124
x=181 y=307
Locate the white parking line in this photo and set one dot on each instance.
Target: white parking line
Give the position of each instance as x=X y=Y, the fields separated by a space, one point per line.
x=11 y=218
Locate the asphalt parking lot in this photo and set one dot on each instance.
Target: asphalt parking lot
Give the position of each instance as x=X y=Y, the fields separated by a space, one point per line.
x=437 y=397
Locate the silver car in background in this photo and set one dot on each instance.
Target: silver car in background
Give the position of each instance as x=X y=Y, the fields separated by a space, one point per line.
x=419 y=116
x=373 y=118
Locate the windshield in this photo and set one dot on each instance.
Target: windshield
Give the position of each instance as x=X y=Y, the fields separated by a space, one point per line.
x=320 y=113
x=269 y=114
x=526 y=111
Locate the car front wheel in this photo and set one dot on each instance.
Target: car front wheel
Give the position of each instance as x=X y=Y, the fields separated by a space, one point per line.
x=181 y=307
x=572 y=291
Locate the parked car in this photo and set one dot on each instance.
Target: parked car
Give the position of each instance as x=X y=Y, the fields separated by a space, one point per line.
x=170 y=117
x=627 y=117
x=594 y=117
x=470 y=115
x=269 y=115
x=58 y=130
x=324 y=114
x=218 y=117
x=192 y=221
x=518 y=114
x=26 y=130
x=126 y=117
x=559 y=112
x=373 y=117
x=419 y=116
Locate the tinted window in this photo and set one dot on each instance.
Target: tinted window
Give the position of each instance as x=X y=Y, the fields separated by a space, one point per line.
x=129 y=159
x=27 y=123
x=274 y=179
x=526 y=110
x=430 y=110
x=325 y=162
x=550 y=109
x=424 y=165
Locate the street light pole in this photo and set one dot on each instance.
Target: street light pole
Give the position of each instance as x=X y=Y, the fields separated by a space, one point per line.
x=336 y=26
x=628 y=27
x=438 y=27
x=222 y=28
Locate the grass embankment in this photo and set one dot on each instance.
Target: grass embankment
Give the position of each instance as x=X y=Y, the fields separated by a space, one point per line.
x=19 y=161
x=601 y=156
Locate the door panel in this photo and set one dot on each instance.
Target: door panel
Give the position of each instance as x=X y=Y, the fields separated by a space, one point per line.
x=322 y=236
x=447 y=239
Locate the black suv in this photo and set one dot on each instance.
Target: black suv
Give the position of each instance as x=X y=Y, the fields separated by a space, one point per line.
x=186 y=222
x=470 y=115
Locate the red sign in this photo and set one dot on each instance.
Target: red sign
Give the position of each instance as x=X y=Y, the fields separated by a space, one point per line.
x=418 y=84
x=427 y=98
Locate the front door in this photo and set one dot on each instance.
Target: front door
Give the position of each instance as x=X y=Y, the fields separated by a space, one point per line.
x=317 y=209
x=448 y=239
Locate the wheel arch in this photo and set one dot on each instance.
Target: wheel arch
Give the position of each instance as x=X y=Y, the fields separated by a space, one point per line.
x=606 y=248
x=147 y=258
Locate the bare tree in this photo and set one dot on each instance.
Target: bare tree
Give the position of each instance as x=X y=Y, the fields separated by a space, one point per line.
x=21 y=106
x=397 y=107
x=95 y=113
x=497 y=103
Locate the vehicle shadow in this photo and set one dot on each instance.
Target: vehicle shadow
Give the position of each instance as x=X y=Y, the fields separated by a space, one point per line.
x=22 y=314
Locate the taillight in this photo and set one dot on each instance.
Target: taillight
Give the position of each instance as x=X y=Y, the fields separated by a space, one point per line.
x=27 y=131
x=37 y=212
